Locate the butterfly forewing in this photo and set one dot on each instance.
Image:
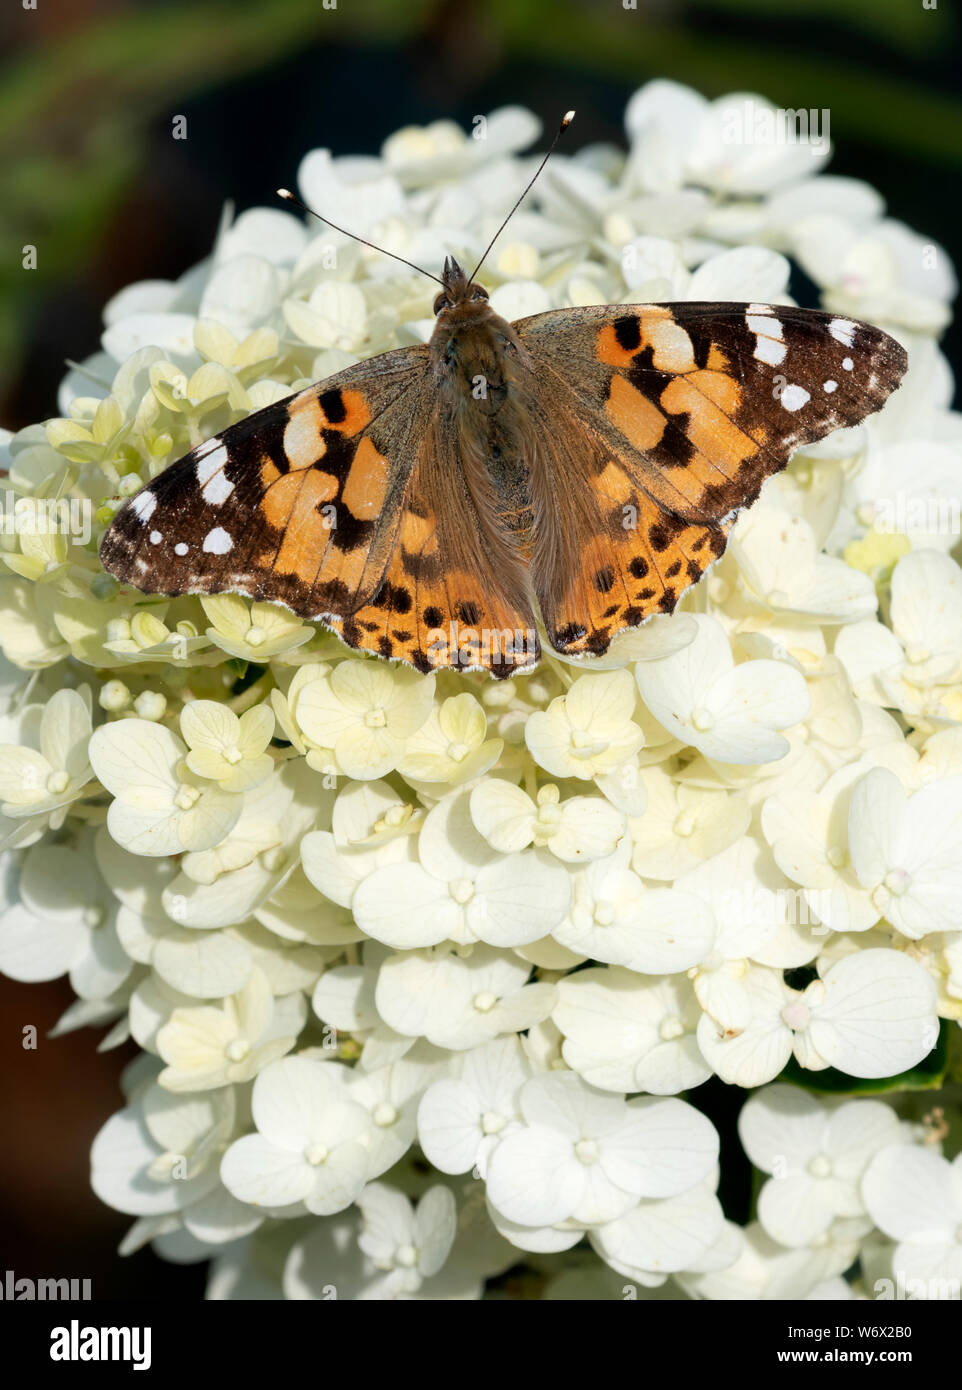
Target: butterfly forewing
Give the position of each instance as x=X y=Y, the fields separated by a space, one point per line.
x=297 y=504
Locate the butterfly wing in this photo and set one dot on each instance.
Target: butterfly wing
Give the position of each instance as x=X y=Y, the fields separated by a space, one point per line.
x=297 y=504
x=653 y=424
x=346 y=502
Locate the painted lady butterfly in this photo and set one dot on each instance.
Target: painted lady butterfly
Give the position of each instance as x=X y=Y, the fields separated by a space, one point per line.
x=582 y=467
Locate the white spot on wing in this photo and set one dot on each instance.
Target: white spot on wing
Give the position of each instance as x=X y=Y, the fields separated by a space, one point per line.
x=847 y=363
x=218 y=542
x=155 y=538
x=766 y=324
x=181 y=548
x=829 y=386
x=767 y=350
x=143 y=506
x=210 y=461
x=843 y=331
x=794 y=397
x=218 y=489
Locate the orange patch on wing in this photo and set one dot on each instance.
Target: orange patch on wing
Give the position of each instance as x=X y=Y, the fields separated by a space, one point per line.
x=416 y=531
x=708 y=428
x=613 y=483
x=346 y=566
x=638 y=418
x=356 y=414
x=269 y=471
x=719 y=387
x=291 y=505
x=609 y=350
x=717 y=361
x=366 y=485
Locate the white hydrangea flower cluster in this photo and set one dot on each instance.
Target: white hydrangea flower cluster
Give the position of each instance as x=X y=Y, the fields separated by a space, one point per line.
x=421 y=967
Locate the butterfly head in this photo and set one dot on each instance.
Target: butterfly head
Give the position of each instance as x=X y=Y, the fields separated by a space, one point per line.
x=458 y=288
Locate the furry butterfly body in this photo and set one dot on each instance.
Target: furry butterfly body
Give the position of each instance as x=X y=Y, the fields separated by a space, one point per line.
x=572 y=473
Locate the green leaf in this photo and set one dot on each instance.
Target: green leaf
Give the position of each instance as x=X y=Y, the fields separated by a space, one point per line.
x=928 y=1075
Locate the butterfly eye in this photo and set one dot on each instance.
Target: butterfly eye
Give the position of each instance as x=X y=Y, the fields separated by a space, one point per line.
x=479 y=293
x=441 y=302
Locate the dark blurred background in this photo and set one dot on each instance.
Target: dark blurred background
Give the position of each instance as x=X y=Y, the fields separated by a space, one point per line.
x=89 y=174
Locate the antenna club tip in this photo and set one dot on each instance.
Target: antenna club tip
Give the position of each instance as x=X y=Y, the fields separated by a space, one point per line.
x=285 y=193
x=567 y=119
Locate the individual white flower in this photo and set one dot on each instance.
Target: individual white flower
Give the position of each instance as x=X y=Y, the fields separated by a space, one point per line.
x=372 y=826
x=160 y=806
x=161 y=1153
x=366 y=711
x=65 y=921
x=460 y=1120
x=309 y=1143
x=623 y=1032
x=242 y=875
x=225 y=748
x=734 y=145
x=906 y=490
x=783 y=573
x=683 y=825
x=907 y=850
x=460 y=999
x=390 y=1094
x=872 y=1015
x=915 y=1196
x=575 y=830
x=589 y=730
x=614 y=918
x=816 y=1153
x=409 y=1244
x=451 y=746
x=808 y=832
x=726 y=711
x=461 y=889
x=441 y=151
x=211 y=1046
x=884 y=271
x=585 y=1156
x=923 y=646
x=42 y=780
x=252 y=631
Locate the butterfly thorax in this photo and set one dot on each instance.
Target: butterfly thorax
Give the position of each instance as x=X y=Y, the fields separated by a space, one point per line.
x=475 y=354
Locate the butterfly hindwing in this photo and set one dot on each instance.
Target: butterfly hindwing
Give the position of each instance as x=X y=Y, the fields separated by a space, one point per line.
x=673 y=417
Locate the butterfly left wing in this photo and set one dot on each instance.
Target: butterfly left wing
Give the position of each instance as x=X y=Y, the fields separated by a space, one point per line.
x=299 y=503
x=358 y=502
x=652 y=425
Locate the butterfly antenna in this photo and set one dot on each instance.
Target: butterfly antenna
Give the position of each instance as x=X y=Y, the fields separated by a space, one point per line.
x=566 y=121
x=289 y=197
